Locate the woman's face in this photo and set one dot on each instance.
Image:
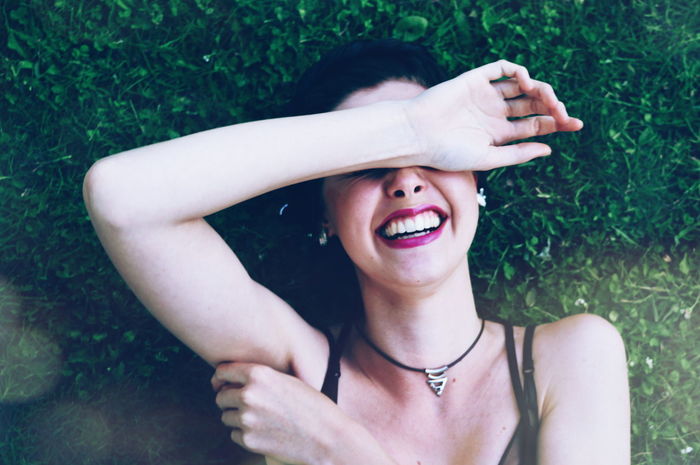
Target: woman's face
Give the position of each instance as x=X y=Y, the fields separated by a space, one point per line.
x=407 y=226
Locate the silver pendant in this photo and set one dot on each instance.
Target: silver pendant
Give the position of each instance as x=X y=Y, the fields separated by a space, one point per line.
x=437 y=379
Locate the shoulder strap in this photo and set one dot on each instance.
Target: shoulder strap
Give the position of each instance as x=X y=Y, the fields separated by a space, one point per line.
x=530 y=415
x=330 y=382
x=529 y=375
x=513 y=366
x=525 y=394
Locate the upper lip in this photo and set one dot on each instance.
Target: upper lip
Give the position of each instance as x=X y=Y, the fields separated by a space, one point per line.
x=409 y=212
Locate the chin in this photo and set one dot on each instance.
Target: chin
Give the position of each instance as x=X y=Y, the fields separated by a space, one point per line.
x=415 y=274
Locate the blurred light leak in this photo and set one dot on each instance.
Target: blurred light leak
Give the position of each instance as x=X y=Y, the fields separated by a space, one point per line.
x=10 y=306
x=75 y=433
x=128 y=424
x=30 y=361
x=30 y=365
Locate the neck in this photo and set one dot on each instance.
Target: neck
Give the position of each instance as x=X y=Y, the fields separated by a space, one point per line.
x=424 y=326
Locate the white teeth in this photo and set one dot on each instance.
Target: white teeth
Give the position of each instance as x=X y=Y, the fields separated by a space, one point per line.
x=420 y=225
x=393 y=229
x=412 y=226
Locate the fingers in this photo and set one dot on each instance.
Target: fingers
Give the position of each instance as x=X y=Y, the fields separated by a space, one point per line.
x=232 y=418
x=231 y=373
x=515 y=154
x=539 y=126
x=541 y=99
x=230 y=398
x=503 y=68
x=508 y=88
x=540 y=96
x=526 y=106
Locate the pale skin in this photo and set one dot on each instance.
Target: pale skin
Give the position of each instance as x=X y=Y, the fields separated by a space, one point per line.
x=148 y=205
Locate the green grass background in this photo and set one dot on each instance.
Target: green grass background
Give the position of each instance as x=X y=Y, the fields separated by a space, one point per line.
x=608 y=224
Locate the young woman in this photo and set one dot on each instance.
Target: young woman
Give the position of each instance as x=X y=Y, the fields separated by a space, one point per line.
x=424 y=379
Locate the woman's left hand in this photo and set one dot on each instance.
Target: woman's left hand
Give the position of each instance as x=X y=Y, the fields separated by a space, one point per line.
x=275 y=414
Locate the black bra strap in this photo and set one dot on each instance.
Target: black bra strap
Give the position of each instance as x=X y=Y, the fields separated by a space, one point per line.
x=525 y=394
x=529 y=375
x=330 y=382
x=513 y=367
x=530 y=416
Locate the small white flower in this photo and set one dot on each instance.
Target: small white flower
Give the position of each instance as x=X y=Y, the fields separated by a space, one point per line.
x=544 y=254
x=481 y=197
x=687 y=312
x=686 y=450
x=650 y=362
x=206 y=58
x=581 y=303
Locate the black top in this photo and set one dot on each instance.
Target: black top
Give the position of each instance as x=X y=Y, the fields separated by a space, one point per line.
x=525 y=393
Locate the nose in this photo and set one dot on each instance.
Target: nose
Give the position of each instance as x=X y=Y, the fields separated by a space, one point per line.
x=405 y=182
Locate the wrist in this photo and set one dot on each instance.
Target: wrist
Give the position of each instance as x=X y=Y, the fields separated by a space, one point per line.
x=392 y=140
x=416 y=145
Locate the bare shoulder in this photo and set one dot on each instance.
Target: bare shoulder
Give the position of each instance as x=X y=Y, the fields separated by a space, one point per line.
x=577 y=350
x=578 y=336
x=581 y=377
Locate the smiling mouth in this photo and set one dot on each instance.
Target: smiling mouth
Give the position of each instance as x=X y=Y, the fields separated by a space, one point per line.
x=407 y=227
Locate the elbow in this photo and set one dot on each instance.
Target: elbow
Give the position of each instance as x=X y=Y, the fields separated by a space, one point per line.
x=102 y=194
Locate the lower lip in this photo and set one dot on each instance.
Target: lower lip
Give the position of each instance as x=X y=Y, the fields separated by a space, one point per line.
x=414 y=241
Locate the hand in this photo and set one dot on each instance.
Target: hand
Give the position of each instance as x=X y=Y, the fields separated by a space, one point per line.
x=462 y=124
x=274 y=414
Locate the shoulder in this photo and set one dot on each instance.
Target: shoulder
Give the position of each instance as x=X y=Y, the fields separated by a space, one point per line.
x=575 y=348
x=581 y=377
x=582 y=335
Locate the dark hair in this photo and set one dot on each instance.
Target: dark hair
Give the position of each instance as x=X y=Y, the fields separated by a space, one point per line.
x=332 y=292
x=359 y=65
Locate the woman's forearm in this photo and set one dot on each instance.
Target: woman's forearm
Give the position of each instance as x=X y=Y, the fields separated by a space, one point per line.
x=199 y=174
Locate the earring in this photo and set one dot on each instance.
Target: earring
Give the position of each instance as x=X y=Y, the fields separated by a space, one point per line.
x=323 y=238
x=481 y=197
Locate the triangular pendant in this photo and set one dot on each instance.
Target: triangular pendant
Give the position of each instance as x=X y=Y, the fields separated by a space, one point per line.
x=437 y=379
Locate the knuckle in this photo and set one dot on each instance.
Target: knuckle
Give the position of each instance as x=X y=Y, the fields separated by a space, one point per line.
x=258 y=373
x=246 y=396
x=247 y=420
x=249 y=440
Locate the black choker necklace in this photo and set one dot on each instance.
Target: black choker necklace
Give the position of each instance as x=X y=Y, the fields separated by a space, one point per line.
x=437 y=377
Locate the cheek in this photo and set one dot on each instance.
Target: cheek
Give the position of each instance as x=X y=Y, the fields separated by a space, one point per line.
x=462 y=194
x=349 y=214
x=339 y=209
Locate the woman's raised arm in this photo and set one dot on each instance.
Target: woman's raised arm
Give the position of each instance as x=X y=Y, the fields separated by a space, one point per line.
x=148 y=204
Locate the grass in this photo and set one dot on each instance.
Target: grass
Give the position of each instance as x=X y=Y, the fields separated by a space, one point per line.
x=608 y=224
